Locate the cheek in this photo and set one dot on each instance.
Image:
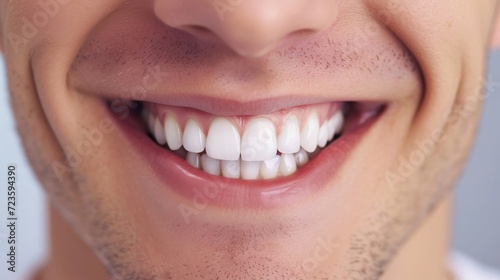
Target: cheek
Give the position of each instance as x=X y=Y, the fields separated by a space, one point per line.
x=42 y=149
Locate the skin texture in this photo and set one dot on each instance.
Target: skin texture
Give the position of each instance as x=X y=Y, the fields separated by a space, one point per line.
x=424 y=58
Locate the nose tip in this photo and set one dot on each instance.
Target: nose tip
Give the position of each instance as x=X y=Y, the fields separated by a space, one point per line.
x=249 y=27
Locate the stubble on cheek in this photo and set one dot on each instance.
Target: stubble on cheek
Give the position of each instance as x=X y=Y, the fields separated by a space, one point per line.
x=40 y=144
x=406 y=205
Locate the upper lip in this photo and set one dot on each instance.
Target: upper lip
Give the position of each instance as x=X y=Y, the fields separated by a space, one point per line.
x=255 y=100
x=239 y=105
x=229 y=107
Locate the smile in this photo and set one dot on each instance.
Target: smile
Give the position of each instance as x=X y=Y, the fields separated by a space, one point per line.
x=249 y=160
x=246 y=147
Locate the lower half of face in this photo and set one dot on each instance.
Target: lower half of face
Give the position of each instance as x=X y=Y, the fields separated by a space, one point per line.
x=174 y=155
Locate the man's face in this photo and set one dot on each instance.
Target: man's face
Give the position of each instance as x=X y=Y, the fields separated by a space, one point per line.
x=332 y=127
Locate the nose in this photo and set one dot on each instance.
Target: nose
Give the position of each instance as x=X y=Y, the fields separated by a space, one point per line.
x=250 y=27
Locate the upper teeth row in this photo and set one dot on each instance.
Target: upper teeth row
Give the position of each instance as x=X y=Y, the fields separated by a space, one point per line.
x=258 y=143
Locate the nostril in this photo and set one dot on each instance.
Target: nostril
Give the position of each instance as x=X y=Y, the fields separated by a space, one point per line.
x=302 y=32
x=303 y=35
x=255 y=28
x=297 y=38
x=198 y=29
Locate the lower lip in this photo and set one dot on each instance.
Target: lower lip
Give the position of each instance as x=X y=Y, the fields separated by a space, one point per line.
x=198 y=187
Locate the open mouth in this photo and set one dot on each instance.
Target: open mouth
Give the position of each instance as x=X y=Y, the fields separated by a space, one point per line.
x=246 y=147
x=253 y=147
x=249 y=160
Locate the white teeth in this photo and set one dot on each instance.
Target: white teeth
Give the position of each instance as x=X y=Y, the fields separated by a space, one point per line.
x=194 y=160
x=259 y=140
x=210 y=165
x=289 y=138
x=334 y=125
x=250 y=170
x=323 y=136
x=269 y=168
x=340 y=125
x=301 y=158
x=194 y=138
x=309 y=135
x=158 y=132
x=258 y=154
x=223 y=140
x=230 y=168
x=288 y=165
x=331 y=126
x=173 y=133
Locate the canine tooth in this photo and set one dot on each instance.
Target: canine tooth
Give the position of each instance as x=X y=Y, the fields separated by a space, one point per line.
x=309 y=135
x=210 y=165
x=288 y=165
x=301 y=158
x=230 y=168
x=269 y=168
x=223 y=140
x=158 y=132
x=289 y=138
x=323 y=135
x=334 y=124
x=331 y=126
x=173 y=133
x=250 y=170
x=340 y=126
x=193 y=160
x=259 y=140
x=193 y=138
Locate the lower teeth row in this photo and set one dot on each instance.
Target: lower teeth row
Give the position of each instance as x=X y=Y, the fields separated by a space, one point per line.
x=280 y=165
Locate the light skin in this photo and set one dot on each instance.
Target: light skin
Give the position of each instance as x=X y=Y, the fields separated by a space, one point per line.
x=111 y=215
